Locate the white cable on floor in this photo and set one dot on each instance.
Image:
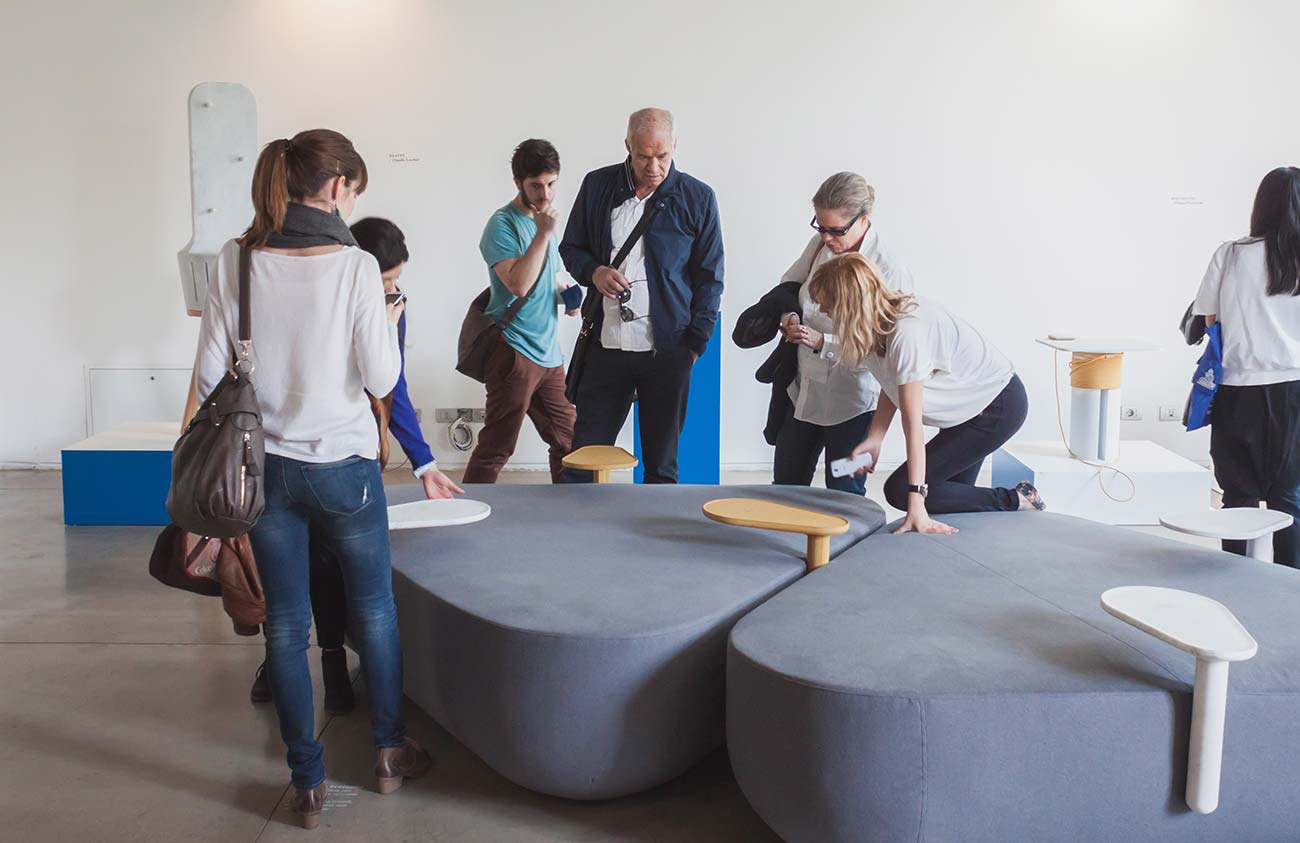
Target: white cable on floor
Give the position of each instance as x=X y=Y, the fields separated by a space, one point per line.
x=1060 y=424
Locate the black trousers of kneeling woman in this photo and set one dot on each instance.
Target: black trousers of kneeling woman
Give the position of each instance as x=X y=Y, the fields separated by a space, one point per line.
x=954 y=457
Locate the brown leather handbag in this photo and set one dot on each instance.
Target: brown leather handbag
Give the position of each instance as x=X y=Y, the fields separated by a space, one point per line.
x=217 y=463
x=241 y=587
x=212 y=567
x=479 y=333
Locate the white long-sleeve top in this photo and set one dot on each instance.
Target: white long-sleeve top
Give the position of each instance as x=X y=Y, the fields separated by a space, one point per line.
x=321 y=338
x=824 y=391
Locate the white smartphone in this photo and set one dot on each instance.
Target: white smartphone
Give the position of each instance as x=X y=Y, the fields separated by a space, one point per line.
x=849 y=465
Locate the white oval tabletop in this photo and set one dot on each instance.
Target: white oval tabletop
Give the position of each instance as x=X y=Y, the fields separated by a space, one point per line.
x=1191 y=622
x=1235 y=524
x=444 y=512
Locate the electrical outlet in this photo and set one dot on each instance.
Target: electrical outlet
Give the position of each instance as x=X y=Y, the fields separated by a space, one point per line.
x=419 y=415
x=445 y=415
x=1171 y=414
x=1130 y=414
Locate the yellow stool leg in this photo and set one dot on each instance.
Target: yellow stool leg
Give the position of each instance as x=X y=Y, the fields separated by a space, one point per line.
x=601 y=475
x=819 y=551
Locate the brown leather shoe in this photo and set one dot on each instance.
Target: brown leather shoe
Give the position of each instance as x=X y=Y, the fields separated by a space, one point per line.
x=407 y=761
x=308 y=804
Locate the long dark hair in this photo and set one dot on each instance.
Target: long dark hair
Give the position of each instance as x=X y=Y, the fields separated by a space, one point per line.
x=293 y=169
x=1276 y=219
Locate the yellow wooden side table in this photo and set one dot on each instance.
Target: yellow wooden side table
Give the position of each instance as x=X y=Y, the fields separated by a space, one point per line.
x=769 y=515
x=600 y=460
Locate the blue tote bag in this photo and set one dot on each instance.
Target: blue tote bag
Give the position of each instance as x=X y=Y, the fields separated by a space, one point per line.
x=1205 y=382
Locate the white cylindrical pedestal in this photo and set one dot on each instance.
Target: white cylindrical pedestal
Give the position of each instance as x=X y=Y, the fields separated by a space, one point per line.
x=1094 y=424
x=1205 y=753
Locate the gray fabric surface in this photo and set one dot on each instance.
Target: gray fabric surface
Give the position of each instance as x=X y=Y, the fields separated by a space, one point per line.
x=972 y=688
x=575 y=640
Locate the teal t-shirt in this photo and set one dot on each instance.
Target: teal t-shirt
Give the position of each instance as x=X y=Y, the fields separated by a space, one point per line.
x=533 y=331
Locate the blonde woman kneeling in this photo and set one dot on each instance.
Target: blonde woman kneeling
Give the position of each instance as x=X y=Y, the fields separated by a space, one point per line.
x=940 y=372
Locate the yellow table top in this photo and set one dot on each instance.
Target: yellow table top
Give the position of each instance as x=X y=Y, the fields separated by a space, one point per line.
x=768 y=515
x=595 y=457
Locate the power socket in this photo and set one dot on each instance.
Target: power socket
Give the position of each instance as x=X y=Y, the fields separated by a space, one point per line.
x=1171 y=414
x=1130 y=414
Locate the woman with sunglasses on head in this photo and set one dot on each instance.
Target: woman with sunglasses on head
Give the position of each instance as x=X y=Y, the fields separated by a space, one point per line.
x=817 y=403
x=939 y=371
x=322 y=338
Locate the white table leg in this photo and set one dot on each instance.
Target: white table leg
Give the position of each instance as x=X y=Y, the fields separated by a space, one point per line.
x=1261 y=548
x=1205 y=755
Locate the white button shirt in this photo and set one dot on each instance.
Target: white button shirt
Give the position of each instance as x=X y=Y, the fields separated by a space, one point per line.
x=825 y=392
x=616 y=334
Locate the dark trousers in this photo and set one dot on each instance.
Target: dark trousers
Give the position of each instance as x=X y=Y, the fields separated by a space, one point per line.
x=1255 y=445
x=661 y=381
x=954 y=457
x=800 y=443
x=329 y=601
x=518 y=388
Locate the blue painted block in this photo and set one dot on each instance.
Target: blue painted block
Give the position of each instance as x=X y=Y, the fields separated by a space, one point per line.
x=116 y=487
x=1008 y=471
x=699 y=451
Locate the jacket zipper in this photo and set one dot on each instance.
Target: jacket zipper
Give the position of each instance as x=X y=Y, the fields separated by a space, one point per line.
x=243 y=470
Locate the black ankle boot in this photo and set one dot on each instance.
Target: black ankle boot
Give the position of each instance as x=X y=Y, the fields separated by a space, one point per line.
x=261 y=686
x=339 y=698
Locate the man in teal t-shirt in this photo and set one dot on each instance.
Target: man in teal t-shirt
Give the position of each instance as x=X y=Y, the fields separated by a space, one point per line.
x=525 y=376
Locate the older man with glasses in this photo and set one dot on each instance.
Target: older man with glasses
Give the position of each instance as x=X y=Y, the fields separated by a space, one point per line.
x=657 y=308
x=818 y=405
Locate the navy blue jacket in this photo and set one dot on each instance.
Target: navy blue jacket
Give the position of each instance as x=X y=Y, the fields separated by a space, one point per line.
x=683 y=250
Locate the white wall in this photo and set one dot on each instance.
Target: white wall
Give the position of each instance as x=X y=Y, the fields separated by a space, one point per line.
x=1026 y=156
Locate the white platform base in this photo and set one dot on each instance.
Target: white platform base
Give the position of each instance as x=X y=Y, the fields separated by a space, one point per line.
x=1164 y=481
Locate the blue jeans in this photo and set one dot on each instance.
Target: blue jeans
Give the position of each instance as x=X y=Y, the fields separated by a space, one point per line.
x=343 y=501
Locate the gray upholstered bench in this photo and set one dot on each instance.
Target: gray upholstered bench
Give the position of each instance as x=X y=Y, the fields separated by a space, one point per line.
x=972 y=688
x=576 y=639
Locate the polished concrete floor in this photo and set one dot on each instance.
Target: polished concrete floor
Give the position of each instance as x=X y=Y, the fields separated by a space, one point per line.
x=124 y=715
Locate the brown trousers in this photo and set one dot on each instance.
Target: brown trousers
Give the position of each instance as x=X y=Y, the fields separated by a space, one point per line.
x=518 y=387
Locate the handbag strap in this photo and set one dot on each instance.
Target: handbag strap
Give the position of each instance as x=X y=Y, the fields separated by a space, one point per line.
x=518 y=304
x=641 y=225
x=244 y=365
x=597 y=312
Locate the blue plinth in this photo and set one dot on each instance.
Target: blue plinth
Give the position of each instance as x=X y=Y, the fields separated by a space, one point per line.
x=699 y=451
x=116 y=487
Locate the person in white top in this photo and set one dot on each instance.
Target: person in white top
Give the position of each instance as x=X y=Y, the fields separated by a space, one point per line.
x=819 y=405
x=1252 y=288
x=322 y=337
x=939 y=371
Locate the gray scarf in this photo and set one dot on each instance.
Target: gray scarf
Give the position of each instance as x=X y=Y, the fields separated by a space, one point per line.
x=305 y=226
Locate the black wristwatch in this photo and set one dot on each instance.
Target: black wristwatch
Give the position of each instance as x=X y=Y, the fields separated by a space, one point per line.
x=922 y=490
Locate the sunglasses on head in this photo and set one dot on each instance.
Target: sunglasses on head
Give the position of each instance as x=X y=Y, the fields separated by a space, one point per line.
x=834 y=232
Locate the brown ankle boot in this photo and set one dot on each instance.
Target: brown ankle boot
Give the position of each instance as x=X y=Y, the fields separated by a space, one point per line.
x=308 y=804
x=393 y=764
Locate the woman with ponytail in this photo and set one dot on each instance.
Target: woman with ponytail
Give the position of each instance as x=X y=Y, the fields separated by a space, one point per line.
x=322 y=337
x=1252 y=288
x=939 y=371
